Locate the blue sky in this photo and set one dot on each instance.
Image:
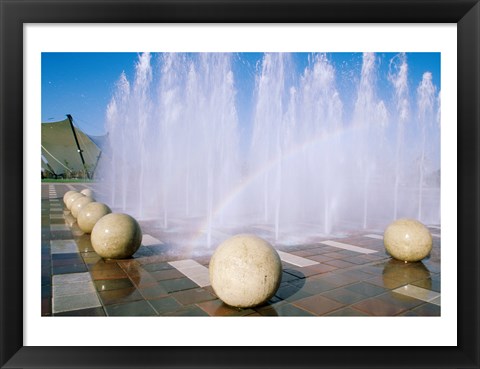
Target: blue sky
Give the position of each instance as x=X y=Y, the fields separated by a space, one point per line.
x=82 y=84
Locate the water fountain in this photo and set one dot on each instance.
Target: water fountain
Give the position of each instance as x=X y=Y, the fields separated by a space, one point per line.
x=308 y=162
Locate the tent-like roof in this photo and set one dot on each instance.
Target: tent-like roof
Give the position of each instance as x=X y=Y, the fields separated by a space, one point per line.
x=60 y=152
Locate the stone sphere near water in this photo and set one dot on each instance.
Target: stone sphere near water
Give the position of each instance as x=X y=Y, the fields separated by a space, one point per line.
x=79 y=204
x=245 y=271
x=71 y=199
x=67 y=195
x=407 y=240
x=116 y=236
x=91 y=214
x=87 y=192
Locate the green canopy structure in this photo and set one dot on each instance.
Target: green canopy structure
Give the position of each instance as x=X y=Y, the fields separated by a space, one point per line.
x=67 y=151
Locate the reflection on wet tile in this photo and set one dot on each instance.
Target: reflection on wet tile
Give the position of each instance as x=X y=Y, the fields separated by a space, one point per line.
x=219 y=308
x=406 y=272
x=112 y=284
x=366 y=289
x=112 y=273
x=317 y=269
x=339 y=263
x=429 y=283
x=136 y=308
x=344 y=296
x=61 y=235
x=314 y=286
x=284 y=310
x=71 y=278
x=153 y=292
x=348 y=311
x=400 y=300
x=155 y=267
x=70 y=289
x=75 y=268
x=417 y=292
x=173 y=285
x=76 y=302
x=58 y=220
x=166 y=274
x=118 y=296
x=318 y=305
x=63 y=262
x=63 y=246
x=385 y=282
x=165 y=305
x=375 y=306
x=59 y=227
x=84 y=312
x=427 y=309
x=193 y=296
x=191 y=310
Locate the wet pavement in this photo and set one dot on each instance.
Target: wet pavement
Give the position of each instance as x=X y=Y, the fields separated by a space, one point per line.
x=347 y=275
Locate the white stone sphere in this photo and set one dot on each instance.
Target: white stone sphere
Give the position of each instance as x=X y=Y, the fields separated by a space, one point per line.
x=407 y=240
x=67 y=195
x=90 y=214
x=245 y=271
x=87 y=192
x=72 y=198
x=78 y=204
x=116 y=236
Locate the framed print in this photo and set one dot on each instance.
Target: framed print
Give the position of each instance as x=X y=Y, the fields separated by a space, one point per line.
x=316 y=132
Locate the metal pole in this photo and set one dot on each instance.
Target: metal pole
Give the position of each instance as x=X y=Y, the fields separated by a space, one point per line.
x=80 y=151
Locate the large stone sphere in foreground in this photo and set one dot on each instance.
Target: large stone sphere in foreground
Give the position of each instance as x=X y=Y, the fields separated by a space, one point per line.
x=87 y=192
x=79 y=204
x=67 y=195
x=91 y=214
x=72 y=198
x=116 y=236
x=245 y=271
x=407 y=240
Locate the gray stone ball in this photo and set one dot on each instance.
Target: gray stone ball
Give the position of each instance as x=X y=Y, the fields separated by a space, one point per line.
x=245 y=271
x=407 y=240
x=87 y=192
x=67 y=195
x=90 y=214
x=116 y=236
x=72 y=198
x=78 y=205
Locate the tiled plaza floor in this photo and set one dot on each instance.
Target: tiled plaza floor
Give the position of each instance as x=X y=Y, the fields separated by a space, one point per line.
x=341 y=276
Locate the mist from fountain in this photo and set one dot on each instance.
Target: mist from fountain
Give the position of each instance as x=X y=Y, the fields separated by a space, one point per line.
x=308 y=166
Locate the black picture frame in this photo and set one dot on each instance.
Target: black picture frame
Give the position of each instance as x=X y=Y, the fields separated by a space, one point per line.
x=16 y=13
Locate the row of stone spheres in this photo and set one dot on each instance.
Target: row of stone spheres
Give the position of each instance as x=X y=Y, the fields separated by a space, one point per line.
x=113 y=235
x=245 y=270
